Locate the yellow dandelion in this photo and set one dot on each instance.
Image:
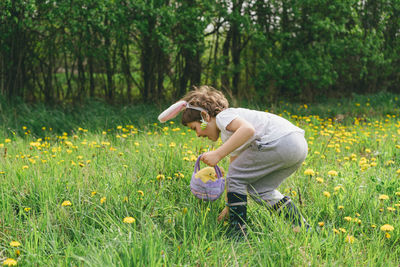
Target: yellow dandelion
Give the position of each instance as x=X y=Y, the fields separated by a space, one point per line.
x=129 y=220
x=7 y=140
x=373 y=225
x=319 y=180
x=321 y=224
x=387 y=228
x=333 y=173
x=350 y=239
x=102 y=200
x=398 y=171
x=10 y=262
x=172 y=144
x=340 y=207
x=185 y=210
x=93 y=193
x=327 y=194
x=309 y=172
x=387 y=235
x=66 y=203
x=15 y=244
x=389 y=162
x=342 y=230
x=336 y=231
x=383 y=197
x=160 y=177
x=390 y=209
x=348 y=218
x=140 y=192
x=25 y=167
x=27 y=209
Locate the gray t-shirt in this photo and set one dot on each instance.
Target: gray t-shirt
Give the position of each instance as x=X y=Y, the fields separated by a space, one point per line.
x=269 y=127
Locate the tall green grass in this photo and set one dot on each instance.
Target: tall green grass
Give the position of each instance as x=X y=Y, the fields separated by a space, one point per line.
x=116 y=162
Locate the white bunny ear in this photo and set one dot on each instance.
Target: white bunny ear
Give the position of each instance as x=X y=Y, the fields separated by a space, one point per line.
x=172 y=111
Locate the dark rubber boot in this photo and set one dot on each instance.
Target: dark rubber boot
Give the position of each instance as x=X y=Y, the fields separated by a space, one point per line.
x=288 y=209
x=237 y=204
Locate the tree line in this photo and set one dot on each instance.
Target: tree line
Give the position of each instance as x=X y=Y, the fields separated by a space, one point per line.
x=149 y=50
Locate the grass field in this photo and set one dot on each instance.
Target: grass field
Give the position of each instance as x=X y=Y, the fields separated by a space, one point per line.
x=106 y=186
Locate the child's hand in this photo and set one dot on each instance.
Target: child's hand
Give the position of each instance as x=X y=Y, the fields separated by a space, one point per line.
x=211 y=158
x=223 y=215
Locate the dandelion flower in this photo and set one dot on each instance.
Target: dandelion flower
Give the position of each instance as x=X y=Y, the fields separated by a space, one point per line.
x=140 y=192
x=383 y=197
x=336 y=231
x=387 y=235
x=350 y=239
x=185 y=210
x=340 y=207
x=390 y=209
x=348 y=218
x=342 y=230
x=321 y=224
x=129 y=220
x=309 y=172
x=15 y=244
x=319 y=180
x=27 y=209
x=373 y=226
x=102 y=200
x=93 y=193
x=160 y=177
x=327 y=194
x=66 y=203
x=10 y=262
x=333 y=173
x=387 y=228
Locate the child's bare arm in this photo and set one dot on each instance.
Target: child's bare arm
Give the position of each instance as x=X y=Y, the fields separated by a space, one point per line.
x=242 y=131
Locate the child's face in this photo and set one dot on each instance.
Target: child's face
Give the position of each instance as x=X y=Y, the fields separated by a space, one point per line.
x=211 y=131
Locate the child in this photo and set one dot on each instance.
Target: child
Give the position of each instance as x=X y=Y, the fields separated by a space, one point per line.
x=264 y=150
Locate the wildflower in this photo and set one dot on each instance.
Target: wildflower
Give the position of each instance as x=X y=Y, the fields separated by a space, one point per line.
x=102 y=200
x=373 y=226
x=10 y=262
x=309 y=172
x=387 y=228
x=383 y=197
x=327 y=194
x=93 y=193
x=321 y=224
x=319 y=180
x=140 y=192
x=66 y=203
x=347 y=218
x=27 y=209
x=160 y=177
x=332 y=173
x=340 y=207
x=390 y=209
x=129 y=220
x=185 y=210
x=7 y=140
x=25 y=167
x=350 y=239
x=342 y=230
x=387 y=235
x=389 y=162
x=336 y=231
x=172 y=144
x=398 y=171
x=15 y=244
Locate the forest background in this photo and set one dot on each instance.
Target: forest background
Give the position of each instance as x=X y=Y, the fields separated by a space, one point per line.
x=130 y=51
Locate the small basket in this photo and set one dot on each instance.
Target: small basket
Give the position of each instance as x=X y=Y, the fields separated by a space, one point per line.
x=209 y=191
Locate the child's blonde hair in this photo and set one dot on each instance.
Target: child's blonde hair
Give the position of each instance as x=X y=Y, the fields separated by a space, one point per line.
x=206 y=97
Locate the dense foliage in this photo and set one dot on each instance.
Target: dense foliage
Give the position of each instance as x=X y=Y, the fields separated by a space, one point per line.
x=149 y=50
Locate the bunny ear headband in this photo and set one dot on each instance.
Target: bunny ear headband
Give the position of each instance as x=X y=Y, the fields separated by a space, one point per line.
x=174 y=110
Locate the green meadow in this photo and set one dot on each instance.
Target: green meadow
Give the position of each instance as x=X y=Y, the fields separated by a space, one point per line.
x=100 y=185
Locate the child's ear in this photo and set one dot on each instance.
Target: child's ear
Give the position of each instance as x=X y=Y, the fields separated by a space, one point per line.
x=206 y=116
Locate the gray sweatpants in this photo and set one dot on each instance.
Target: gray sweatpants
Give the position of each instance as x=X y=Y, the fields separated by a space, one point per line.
x=262 y=167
